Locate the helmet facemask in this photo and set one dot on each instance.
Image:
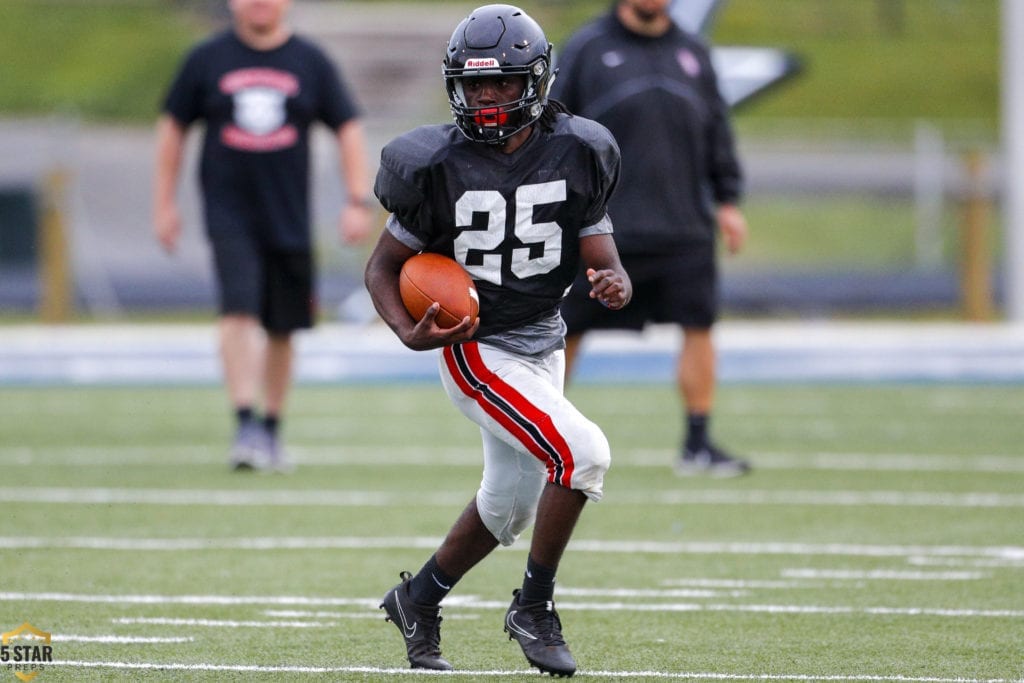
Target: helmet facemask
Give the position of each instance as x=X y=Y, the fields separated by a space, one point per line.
x=495 y=123
x=498 y=40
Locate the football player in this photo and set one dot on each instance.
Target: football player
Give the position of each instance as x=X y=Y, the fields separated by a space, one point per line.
x=515 y=191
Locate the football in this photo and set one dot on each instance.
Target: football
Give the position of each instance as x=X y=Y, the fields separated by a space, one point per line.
x=427 y=278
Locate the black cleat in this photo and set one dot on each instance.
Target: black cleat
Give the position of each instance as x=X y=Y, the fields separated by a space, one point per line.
x=710 y=460
x=538 y=631
x=420 y=626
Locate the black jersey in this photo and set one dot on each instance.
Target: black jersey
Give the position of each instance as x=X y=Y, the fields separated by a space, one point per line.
x=258 y=106
x=513 y=221
x=659 y=97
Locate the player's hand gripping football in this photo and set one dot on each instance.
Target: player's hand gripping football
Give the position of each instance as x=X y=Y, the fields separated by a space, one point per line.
x=426 y=334
x=609 y=288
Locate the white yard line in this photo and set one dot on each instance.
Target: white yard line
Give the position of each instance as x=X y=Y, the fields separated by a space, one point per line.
x=739 y=584
x=890 y=462
x=974 y=499
x=919 y=553
x=881 y=575
x=222 y=623
x=305 y=614
x=325 y=498
x=118 y=640
x=647 y=593
x=788 y=548
x=382 y=671
x=182 y=544
x=222 y=498
x=368 y=603
x=569 y=606
x=470 y=602
x=207 y=454
x=964 y=562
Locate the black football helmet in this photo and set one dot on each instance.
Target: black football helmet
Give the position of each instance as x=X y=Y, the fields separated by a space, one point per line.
x=498 y=39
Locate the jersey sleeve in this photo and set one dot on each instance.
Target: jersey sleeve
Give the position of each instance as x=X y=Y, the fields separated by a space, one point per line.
x=403 y=235
x=403 y=179
x=604 y=161
x=337 y=104
x=400 y=195
x=184 y=97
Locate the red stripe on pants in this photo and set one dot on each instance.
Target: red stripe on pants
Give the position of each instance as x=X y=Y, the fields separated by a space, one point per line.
x=554 y=445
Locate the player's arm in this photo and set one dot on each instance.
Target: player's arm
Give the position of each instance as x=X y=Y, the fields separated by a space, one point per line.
x=381 y=277
x=170 y=143
x=608 y=279
x=356 y=217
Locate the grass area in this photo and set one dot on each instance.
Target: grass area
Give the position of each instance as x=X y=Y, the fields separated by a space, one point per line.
x=99 y=60
x=932 y=59
x=936 y=60
x=879 y=537
x=818 y=232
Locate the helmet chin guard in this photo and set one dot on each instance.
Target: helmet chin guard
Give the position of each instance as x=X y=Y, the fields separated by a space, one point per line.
x=498 y=40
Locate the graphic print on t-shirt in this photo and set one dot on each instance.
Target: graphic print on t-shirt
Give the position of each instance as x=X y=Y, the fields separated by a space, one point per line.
x=260 y=115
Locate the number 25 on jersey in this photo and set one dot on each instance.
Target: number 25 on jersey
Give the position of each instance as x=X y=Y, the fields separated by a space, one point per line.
x=490 y=242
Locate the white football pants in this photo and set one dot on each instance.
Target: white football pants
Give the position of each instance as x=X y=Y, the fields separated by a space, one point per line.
x=531 y=432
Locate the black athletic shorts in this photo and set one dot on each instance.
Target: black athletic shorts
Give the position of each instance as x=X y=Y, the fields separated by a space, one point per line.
x=275 y=286
x=679 y=288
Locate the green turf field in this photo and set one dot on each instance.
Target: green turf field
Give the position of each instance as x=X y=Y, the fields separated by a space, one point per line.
x=881 y=537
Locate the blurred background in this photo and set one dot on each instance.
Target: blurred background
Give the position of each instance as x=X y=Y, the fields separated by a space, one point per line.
x=873 y=174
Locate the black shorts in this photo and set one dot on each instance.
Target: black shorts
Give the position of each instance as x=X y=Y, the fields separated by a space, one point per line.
x=275 y=286
x=680 y=288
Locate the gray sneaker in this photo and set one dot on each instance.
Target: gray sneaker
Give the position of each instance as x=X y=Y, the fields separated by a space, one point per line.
x=278 y=459
x=251 y=448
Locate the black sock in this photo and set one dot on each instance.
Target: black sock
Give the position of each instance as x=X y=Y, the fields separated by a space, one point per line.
x=697 y=431
x=538 y=583
x=271 y=423
x=245 y=415
x=431 y=584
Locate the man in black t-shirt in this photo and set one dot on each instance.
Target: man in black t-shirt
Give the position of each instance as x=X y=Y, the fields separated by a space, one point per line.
x=516 y=192
x=652 y=84
x=259 y=88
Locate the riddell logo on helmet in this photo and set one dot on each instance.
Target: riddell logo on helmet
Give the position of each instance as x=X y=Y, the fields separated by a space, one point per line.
x=488 y=63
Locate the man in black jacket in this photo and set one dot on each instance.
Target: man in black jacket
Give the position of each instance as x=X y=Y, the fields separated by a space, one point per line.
x=653 y=86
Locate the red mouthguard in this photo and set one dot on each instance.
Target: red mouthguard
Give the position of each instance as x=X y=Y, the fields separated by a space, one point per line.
x=491 y=116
